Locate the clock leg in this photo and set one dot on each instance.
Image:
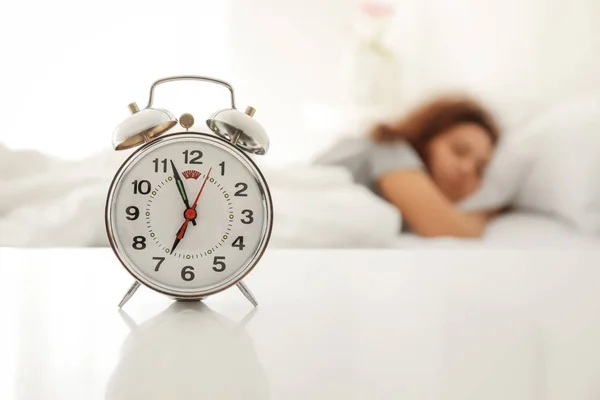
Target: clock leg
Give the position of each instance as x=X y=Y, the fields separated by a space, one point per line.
x=129 y=293
x=246 y=292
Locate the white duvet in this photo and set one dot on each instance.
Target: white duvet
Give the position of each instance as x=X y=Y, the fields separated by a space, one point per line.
x=50 y=202
x=511 y=231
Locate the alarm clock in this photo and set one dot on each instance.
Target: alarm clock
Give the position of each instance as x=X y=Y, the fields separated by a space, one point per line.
x=189 y=214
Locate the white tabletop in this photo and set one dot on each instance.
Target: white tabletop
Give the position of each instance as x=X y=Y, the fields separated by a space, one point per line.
x=330 y=325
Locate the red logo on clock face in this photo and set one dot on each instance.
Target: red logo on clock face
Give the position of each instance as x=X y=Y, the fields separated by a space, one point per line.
x=191 y=174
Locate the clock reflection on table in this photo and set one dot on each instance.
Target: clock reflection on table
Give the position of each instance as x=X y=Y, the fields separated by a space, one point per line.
x=188 y=351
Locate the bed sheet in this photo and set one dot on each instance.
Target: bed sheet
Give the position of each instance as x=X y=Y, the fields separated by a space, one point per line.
x=515 y=230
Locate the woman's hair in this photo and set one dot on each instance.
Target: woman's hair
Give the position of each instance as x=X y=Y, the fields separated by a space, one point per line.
x=433 y=118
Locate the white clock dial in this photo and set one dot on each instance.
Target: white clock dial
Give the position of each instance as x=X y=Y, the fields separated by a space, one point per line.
x=189 y=214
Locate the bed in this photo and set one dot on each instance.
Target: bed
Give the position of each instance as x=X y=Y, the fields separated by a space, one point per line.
x=515 y=230
x=549 y=171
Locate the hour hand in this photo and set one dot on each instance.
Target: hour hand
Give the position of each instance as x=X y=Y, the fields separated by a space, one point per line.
x=180 y=235
x=177 y=240
x=181 y=189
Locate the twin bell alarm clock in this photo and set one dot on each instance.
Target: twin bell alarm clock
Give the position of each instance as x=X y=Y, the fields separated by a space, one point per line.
x=189 y=214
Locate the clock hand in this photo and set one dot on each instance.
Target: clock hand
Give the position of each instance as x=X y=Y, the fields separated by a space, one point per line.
x=181 y=189
x=180 y=234
x=201 y=189
x=191 y=212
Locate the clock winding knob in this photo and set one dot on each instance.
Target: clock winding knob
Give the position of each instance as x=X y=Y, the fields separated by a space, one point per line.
x=133 y=107
x=186 y=120
x=250 y=111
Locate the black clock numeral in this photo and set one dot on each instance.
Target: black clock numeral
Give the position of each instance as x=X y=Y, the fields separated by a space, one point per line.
x=193 y=157
x=157 y=163
x=243 y=187
x=221 y=264
x=249 y=217
x=187 y=273
x=160 y=261
x=142 y=187
x=132 y=213
x=139 y=243
x=239 y=243
x=222 y=165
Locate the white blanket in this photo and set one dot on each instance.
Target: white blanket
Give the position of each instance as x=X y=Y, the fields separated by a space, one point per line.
x=512 y=231
x=51 y=202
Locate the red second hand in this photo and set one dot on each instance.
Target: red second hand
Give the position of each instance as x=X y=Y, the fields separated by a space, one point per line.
x=193 y=207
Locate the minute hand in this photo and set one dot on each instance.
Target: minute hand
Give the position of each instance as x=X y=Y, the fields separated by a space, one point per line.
x=181 y=189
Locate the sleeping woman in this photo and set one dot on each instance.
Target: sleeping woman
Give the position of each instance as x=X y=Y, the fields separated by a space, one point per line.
x=426 y=163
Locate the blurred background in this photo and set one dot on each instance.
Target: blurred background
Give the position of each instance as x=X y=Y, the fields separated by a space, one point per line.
x=317 y=71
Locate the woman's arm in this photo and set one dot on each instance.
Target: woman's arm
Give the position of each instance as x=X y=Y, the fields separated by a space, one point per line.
x=426 y=209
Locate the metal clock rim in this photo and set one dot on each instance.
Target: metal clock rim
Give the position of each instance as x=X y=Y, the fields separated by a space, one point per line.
x=236 y=278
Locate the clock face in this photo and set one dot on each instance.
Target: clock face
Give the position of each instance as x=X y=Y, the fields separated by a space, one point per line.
x=189 y=214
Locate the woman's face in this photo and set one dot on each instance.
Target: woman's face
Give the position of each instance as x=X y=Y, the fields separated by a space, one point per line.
x=457 y=159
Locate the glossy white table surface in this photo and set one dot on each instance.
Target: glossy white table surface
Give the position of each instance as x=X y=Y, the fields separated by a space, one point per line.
x=330 y=325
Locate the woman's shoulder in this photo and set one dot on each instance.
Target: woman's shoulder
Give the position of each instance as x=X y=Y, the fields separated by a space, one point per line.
x=366 y=148
x=367 y=160
x=387 y=157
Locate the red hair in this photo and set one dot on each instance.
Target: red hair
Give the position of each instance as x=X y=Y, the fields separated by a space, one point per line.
x=435 y=117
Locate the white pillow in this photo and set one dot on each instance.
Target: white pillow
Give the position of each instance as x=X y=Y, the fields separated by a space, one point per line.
x=562 y=175
x=552 y=166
